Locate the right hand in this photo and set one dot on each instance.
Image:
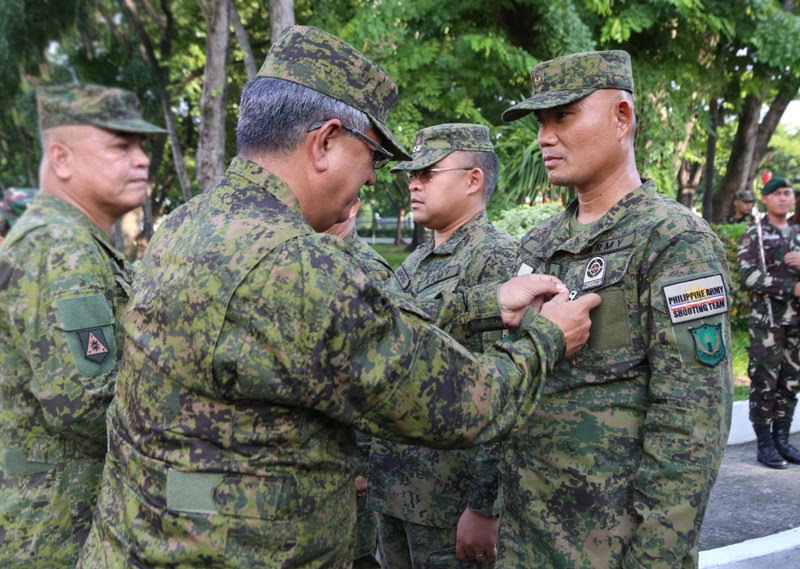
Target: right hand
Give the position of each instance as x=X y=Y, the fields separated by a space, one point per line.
x=572 y=316
x=515 y=295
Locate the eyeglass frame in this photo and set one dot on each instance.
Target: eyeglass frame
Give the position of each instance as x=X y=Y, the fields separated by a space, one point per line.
x=425 y=175
x=377 y=163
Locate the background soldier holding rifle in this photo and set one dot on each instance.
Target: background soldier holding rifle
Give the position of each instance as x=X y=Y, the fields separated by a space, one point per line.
x=769 y=265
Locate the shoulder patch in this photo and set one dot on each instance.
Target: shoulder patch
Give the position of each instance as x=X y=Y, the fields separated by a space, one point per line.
x=95 y=345
x=696 y=298
x=709 y=346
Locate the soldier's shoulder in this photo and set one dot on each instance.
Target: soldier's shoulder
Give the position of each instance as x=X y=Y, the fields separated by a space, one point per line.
x=670 y=218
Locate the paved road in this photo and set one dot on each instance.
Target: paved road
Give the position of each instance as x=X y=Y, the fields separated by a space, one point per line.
x=750 y=500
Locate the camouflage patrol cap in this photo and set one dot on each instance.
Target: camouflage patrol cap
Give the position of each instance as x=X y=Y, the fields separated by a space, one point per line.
x=435 y=142
x=745 y=195
x=566 y=79
x=78 y=103
x=315 y=59
x=15 y=201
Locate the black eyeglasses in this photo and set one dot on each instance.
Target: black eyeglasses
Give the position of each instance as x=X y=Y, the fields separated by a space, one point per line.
x=426 y=174
x=380 y=156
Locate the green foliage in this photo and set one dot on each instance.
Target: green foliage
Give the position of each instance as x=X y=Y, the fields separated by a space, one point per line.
x=729 y=234
x=519 y=220
x=395 y=254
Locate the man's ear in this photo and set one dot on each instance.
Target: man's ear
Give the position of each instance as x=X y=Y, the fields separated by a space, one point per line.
x=61 y=158
x=625 y=117
x=475 y=182
x=320 y=142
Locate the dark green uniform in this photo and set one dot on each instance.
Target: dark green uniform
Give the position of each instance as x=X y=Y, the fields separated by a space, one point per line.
x=62 y=290
x=254 y=347
x=615 y=467
x=410 y=484
x=774 y=345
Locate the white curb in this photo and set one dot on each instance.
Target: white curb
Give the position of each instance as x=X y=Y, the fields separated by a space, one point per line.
x=742 y=429
x=777 y=550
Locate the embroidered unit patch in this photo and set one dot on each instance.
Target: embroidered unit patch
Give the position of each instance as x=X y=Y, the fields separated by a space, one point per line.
x=95 y=345
x=696 y=298
x=595 y=273
x=709 y=346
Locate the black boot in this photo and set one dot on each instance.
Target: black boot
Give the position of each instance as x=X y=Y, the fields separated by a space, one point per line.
x=767 y=453
x=780 y=434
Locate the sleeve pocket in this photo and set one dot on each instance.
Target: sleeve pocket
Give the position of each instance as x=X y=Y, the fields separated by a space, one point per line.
x=88 y=325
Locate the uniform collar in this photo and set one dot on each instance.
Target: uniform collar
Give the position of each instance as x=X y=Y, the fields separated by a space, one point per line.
x=75 y=218
x=560 y=239
x=259 y=176
x=459 y=235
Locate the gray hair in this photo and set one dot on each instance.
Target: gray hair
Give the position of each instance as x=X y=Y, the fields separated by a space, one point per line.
x=274 y=115
x=488 y=162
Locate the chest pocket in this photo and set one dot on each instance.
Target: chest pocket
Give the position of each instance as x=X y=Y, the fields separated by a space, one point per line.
x=615 y=319
x=436 y=282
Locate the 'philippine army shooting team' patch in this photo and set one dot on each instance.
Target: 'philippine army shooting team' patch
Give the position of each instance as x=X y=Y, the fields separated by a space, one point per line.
x=696 y=298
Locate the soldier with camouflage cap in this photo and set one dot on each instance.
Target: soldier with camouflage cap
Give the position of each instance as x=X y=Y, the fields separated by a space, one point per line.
x=62 y=291
x=774 y=286
x=254 y=345
x=742 y=208
x=15 y=201
x=615 y=466
x=440 y=504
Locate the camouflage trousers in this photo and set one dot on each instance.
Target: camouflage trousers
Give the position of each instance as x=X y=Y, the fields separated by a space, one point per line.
x=366 y=539
x=406 y=545
x=774 y=372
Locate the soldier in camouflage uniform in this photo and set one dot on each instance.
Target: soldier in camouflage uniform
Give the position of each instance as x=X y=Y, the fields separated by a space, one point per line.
x=425 y=497
x=254 y=346
x=15 y=200
x=742 y=208
x=774 y=368
x=62 y=291
x=615 y=467
x=379 y=270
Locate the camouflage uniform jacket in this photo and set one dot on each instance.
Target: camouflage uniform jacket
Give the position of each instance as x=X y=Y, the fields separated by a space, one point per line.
x=254 y=347
x=748 y=219
x=777 y=285
x=615 y=467
x=62 y=290
x=428 y=486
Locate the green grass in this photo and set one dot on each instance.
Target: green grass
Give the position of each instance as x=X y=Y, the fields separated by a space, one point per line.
x=395 y=254
x=741 y=341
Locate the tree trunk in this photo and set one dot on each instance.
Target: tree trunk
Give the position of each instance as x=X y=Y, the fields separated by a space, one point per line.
x=768 y=125
x=281 y=15
x=244 y=43
x=688 y=178
x=711 y=155
x=738 y=166
x=418 y=238
x=129 y=8
x=398 y=232
x=211 y=136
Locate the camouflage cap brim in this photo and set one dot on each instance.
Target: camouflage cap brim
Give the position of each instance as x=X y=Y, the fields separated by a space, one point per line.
x=546 y=100
x=423 y=159
x=133 y=126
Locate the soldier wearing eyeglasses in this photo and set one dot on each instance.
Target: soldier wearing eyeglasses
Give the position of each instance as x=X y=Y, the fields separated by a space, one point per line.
x=434 y=504
x=254 y=346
